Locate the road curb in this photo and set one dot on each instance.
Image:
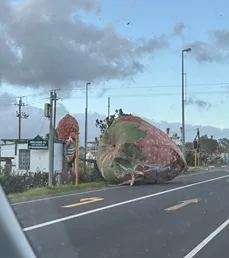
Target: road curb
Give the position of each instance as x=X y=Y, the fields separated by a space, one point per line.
x=222 y=166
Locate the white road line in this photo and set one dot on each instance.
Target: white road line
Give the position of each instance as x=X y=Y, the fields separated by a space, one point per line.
x=51 y=222
x=66 y=195
x=207 y=240
x=93 y=191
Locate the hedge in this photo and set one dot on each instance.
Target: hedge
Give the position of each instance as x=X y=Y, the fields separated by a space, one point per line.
x=20 y=182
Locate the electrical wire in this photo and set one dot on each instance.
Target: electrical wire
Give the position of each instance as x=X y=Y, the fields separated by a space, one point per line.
x=121 y=87
x=127 y=95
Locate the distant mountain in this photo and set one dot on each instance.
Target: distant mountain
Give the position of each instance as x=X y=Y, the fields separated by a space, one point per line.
x=37 y=124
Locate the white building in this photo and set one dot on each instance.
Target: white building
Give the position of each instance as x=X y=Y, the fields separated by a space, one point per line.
x=25 y=159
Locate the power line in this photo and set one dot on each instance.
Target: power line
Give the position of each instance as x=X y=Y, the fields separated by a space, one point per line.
x=121 y=87
x=35 y=94
x=137 y=95
x=152 y=95
x=131 y=95
x=40 y=123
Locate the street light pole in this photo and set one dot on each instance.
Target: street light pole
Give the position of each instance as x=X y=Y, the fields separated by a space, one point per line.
x=108 y=107
x=85 y=135
x=183 y=99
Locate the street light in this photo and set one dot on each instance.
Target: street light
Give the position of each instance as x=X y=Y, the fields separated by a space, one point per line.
x=183 y=101
x=85 y=136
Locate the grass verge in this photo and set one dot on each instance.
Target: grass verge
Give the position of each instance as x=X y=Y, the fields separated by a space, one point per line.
x=55 y=189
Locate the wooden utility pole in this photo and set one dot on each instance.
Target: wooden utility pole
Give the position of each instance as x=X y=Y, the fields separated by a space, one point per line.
x=20 y=114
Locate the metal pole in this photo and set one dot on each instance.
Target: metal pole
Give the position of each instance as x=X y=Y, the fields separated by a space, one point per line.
x=109 y=104
x=186 y=98
x=195 y=158
x=77 y=160
x=85 y=141
x=51 y=142
x=182 y=101
x=85 y=136
x=19 y=118
x=198 y=141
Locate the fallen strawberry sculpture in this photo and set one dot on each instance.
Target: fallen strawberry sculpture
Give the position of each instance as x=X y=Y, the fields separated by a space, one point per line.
x=132 y=150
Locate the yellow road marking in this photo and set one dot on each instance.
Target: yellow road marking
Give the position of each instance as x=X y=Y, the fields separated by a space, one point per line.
x=84 y=201
x=182 y=204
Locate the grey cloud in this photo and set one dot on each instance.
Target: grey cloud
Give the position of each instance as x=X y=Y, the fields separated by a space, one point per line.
x=221 y=38
x=199 y=103
x=6 y=101
x=5 y=11
x=205 y=52
x=153 y=44
x=45 y=43
x=178 y=28
x=55 y=8
x=216 y=49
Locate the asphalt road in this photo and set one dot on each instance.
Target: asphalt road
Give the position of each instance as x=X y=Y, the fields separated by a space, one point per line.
x=132 y=222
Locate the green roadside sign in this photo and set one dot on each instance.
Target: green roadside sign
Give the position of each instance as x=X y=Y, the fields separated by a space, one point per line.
x=38 y=143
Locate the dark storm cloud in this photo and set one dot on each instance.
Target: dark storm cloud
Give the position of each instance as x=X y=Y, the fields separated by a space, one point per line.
x=199 y=103
x=45 y=43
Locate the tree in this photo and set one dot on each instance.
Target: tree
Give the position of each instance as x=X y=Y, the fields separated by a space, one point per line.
x=223 y=145
x=189 y=145
x=209 y=145
x=104 y=124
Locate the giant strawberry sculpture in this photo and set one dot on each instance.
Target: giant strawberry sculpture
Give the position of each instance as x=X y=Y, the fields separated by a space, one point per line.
x=133 y=150
x=68 y=129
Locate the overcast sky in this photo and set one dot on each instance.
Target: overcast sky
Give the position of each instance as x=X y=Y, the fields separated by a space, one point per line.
x=129 y=50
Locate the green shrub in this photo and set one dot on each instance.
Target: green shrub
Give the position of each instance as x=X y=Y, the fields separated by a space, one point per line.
x=190 y=159
x=20 y=182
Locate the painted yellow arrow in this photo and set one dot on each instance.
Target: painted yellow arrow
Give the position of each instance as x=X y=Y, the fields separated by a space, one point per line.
x=182 y=204
x=84 y=201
